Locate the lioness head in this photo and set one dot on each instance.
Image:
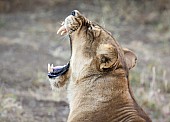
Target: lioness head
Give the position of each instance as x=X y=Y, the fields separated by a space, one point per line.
x=94 y=50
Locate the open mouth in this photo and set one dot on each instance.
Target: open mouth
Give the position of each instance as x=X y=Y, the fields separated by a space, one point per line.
x=68 y=26
x=56 y=71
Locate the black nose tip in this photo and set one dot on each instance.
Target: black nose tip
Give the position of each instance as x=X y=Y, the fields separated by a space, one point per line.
x=73 y=13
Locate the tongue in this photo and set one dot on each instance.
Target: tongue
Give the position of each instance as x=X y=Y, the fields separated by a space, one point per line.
x=62 y=30
x=58 y=70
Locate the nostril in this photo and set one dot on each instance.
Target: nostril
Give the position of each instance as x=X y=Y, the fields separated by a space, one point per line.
x=73 y=13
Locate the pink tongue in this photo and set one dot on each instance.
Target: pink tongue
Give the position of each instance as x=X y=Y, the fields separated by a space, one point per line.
x=58 y=67
x=62 y=30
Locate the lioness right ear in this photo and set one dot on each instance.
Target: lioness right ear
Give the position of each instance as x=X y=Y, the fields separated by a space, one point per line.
x=107 y=56
x=130 y=58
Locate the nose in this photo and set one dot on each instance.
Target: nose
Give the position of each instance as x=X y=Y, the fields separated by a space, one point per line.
x=73 y=13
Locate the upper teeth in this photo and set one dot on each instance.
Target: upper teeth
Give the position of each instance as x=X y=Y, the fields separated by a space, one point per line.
x=50 y=68
x=62 y=30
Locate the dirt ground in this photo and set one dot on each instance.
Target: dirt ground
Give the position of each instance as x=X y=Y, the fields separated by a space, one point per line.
x=28 y=42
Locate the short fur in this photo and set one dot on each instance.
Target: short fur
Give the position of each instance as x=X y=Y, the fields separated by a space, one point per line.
x=98 y=84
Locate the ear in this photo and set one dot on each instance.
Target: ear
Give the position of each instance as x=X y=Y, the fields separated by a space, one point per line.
x=97 y=31
x=130 y=58
x=107 y=56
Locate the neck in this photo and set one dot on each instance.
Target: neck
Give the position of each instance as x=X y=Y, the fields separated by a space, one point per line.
x=109 y=95
x=103 y=89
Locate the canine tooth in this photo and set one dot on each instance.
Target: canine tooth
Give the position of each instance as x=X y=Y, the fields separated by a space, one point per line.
x=62 y=28
x=62 y=23
x=48 y=68
x=63 y=32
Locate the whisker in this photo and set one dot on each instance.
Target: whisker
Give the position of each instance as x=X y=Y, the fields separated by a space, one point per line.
x=103 y=23
x=65 y=37
x=62 y=38
x=61 y=22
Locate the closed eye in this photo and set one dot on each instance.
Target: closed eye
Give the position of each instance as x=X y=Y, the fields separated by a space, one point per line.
x=90 y=28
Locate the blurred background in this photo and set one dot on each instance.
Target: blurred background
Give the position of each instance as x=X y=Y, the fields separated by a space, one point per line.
x=28 y=41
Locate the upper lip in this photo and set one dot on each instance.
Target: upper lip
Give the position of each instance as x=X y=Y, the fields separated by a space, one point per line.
x=65 y=28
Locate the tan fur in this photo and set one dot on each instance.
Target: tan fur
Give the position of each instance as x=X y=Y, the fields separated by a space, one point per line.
x=98 y=84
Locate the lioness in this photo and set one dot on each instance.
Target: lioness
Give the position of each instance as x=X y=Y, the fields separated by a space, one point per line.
x=97 y=75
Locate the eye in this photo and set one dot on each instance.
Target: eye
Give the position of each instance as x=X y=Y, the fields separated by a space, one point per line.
x=90 y=28
x=73 y=13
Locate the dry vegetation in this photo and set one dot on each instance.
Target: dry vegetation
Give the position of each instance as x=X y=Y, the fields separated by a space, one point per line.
x=28 y=41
